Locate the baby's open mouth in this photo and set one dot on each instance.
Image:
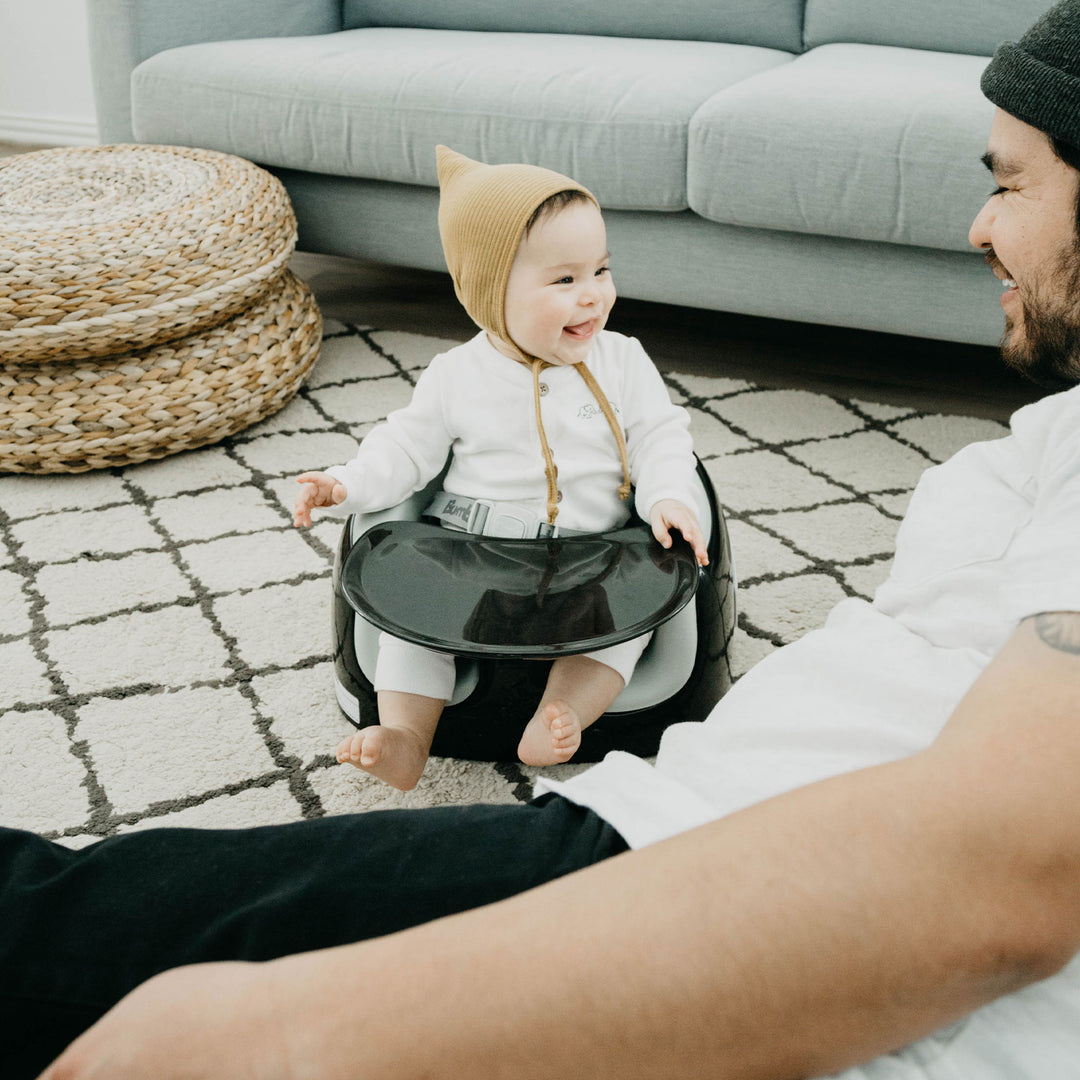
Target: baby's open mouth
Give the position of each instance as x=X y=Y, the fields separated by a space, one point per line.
x=581 y=330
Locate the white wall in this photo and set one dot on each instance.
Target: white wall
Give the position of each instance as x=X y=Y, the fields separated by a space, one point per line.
x=45 y=92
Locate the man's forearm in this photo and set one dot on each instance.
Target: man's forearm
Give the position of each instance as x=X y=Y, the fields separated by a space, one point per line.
x=804 y=934
x=810 y=932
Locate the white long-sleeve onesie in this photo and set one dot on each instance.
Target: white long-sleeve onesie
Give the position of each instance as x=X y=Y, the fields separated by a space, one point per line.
x=476 y=406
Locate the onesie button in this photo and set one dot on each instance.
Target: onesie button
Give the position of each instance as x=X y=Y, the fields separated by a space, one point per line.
x=558 y=496
x=543 y=389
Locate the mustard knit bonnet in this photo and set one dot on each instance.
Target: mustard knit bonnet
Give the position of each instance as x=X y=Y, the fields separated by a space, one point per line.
x=483 y=211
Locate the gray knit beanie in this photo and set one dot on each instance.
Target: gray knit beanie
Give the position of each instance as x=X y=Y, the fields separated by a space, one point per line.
x=1037 y=79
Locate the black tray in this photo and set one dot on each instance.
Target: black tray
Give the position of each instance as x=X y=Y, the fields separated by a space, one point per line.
x=486 y=596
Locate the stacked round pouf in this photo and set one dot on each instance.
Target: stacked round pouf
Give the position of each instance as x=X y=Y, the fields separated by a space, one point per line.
x=145 y=304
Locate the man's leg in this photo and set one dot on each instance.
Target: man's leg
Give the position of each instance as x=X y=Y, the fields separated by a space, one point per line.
x=79 y=929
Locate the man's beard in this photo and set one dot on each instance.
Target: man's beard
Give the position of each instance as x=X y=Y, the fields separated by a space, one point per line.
x=1048 y=349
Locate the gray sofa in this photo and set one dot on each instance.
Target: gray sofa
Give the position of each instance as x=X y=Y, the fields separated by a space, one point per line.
x=814 y=160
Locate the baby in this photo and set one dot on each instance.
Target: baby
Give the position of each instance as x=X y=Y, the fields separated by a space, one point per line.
x=527 y=425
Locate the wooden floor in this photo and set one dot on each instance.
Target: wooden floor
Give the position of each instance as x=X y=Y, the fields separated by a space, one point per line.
x=929 y=375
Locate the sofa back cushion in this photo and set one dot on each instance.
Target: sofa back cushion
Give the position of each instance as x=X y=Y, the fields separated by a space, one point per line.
x=866 y=142
x=374 y=102
x=976 y=27
x=776 y=24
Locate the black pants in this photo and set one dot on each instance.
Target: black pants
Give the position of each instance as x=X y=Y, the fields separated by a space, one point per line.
x=79 y=929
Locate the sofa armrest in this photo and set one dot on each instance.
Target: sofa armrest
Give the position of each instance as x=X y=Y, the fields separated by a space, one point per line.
x=123 y=33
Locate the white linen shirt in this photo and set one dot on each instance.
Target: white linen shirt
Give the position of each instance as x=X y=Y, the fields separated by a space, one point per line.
x=990 y=538
x=476 y=404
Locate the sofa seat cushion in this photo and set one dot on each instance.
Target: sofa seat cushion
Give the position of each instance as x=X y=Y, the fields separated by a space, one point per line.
x=613 y=113
x=858 y=141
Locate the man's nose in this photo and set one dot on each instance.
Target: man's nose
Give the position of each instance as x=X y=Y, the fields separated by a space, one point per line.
x=979 y=233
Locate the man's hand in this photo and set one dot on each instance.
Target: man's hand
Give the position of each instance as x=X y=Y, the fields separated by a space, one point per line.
x=191 y=1023
x=670 y=514
x=316 y=489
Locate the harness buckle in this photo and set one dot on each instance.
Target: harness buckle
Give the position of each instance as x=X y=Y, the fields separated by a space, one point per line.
x=485 y=517
x=478 y=515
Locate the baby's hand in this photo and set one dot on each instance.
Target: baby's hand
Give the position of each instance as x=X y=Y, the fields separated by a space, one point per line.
x=316 y=489
x=671 y=514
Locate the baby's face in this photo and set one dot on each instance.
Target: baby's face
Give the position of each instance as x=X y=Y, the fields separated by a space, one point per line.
x=560 y=292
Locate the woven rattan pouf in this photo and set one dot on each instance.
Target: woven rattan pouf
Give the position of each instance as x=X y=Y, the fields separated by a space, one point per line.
x=145 y=307
x=74 y=415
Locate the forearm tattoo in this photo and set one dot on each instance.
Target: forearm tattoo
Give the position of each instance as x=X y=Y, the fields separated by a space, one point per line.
x=1060 y=630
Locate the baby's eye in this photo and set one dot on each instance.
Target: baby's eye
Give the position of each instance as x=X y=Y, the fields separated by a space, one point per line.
x=568 y=280
x=998 y=191
x=603 y=270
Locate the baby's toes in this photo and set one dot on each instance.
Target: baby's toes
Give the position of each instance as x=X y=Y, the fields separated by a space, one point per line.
x=565 y=730
x=349 y=748
x=371 y=745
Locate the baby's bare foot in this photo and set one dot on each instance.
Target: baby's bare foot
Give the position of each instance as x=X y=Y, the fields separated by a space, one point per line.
x=551 y=736
x=395 y=756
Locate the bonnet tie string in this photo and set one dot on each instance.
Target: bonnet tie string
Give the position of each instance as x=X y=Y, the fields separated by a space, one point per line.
x=613 y=423
x=551 y=471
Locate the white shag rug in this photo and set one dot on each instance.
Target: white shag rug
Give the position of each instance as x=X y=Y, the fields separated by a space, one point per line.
x=165 y=631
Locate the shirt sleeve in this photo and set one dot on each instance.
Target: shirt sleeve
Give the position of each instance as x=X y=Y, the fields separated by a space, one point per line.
x=1044 y=559
x=400 y=455
x=658 y=441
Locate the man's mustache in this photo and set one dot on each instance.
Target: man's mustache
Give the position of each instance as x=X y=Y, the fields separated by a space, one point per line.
x=995 y=263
